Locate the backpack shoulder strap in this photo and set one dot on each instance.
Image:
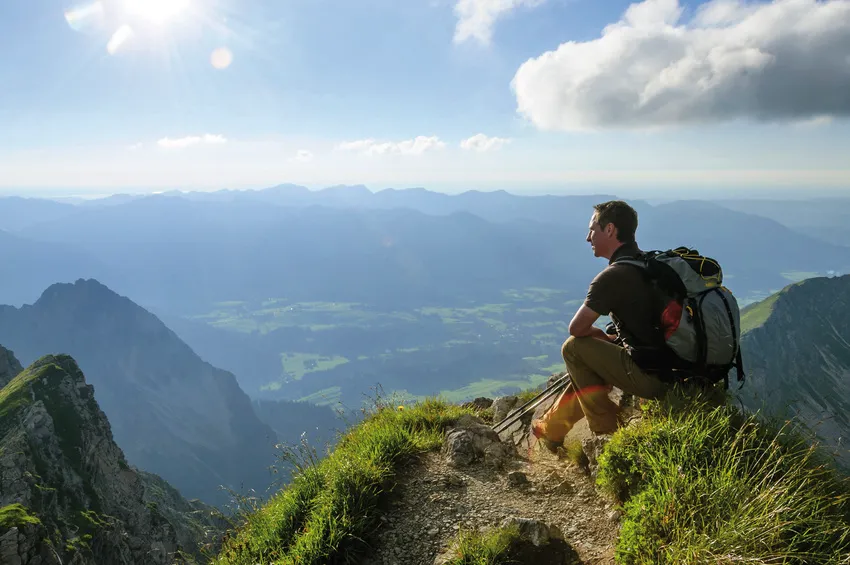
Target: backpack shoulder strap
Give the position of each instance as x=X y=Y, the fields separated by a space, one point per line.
x=638 y=259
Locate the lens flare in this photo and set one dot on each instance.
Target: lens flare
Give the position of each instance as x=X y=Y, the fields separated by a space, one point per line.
x=221 y=58
x=85 y=17
x=119 y=38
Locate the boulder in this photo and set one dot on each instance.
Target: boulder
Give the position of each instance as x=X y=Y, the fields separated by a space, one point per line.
x=537 y=532
x=518 y=479
x=470 y=441
x=503 y=405
x=480 y=403
x=593 y=447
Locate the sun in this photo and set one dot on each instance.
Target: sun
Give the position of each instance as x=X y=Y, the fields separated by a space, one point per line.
x=156 y=11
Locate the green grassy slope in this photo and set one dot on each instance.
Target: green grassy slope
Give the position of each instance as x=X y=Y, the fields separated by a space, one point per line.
x=703 y=485
x=698 y=485
x=331 y=506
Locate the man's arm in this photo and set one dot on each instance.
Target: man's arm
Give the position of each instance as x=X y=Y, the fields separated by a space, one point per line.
x=582 y=324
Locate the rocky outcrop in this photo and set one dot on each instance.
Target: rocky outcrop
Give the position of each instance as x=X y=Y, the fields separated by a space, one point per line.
x=60 y=465
x=470 y=440
x=172 y=413
x=9 y=366
x=796 y=349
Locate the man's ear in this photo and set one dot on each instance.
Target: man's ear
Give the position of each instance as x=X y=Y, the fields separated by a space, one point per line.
x=610 y=229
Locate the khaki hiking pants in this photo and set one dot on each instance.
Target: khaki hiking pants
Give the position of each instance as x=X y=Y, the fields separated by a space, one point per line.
x=595 y=367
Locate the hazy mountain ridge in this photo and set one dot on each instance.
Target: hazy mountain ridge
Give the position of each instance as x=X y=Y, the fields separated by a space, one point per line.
x=823 y=218
x=797 y=355
x=27 y=266
x=188 y=251
x=174 y=253
x=73 y=496
x=393 y=252
x=172 y=413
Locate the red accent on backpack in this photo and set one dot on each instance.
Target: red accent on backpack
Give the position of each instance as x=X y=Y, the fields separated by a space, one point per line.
x=670 y=318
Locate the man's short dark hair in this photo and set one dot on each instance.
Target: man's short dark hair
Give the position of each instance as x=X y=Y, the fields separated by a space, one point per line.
x=623 y=216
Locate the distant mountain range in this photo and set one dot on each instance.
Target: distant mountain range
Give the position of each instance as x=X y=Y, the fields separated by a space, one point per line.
x=796 y=348
x=822 y=218
x=182 y=252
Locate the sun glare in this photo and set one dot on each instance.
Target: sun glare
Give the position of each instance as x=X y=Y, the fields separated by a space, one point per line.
x=156 y=11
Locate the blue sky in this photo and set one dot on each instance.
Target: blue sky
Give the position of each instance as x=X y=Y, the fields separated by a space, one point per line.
x=669 y=96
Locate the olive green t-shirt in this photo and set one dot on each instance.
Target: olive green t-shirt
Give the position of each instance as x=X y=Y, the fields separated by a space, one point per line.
x=622 y=292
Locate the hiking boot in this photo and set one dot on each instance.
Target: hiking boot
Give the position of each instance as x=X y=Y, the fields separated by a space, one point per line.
x=550 y=445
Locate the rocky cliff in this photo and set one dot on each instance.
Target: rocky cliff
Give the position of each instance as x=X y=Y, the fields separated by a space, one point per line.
x=9 y=367
x=796 y=347
x=67 y=494
x=172 y=413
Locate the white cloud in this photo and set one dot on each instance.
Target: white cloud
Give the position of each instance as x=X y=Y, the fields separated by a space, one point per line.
x=817 y=121
x=481 y=143
x=359 y=145
x=415 y=146
x=183 y=142
x=477 y=17
x=135 y=146
x=304 y=156
x=786 y=60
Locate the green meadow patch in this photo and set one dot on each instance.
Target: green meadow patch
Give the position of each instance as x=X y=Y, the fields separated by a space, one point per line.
x=296 y=365
x=491 y=388
x=324 y=397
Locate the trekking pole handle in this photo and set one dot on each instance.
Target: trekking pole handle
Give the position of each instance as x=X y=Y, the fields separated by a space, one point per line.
x=539 y=394
x=533 y=403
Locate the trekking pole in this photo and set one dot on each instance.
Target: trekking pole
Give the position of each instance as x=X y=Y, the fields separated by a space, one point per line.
x=532 y=404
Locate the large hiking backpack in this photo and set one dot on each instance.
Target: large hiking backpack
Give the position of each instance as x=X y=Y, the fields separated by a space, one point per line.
x=699 y=317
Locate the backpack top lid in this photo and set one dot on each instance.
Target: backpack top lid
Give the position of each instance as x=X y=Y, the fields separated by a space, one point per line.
x=708 y=272
x=683 y=271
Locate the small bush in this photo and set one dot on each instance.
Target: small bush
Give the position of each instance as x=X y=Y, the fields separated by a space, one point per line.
x=707 y=485
x=15 y=515
x=489 y=548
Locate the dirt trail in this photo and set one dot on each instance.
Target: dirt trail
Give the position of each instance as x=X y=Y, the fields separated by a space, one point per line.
x=432 y=501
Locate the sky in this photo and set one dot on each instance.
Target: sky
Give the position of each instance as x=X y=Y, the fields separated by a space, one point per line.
x=560 y=96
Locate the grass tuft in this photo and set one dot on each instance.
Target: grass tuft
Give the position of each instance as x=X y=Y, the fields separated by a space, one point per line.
x=576 y=454
x=709 y=485
x=330 y=509
x=489 y=548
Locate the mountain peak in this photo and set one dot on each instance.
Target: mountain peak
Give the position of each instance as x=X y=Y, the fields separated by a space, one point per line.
x=81 y=292
x=818 y=292
x=171 y=412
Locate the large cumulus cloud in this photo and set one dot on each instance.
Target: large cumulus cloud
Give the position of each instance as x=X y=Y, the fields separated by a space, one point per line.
x=788 y=60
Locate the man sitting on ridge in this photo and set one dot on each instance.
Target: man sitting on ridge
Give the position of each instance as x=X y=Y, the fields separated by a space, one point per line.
x=594 y=361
